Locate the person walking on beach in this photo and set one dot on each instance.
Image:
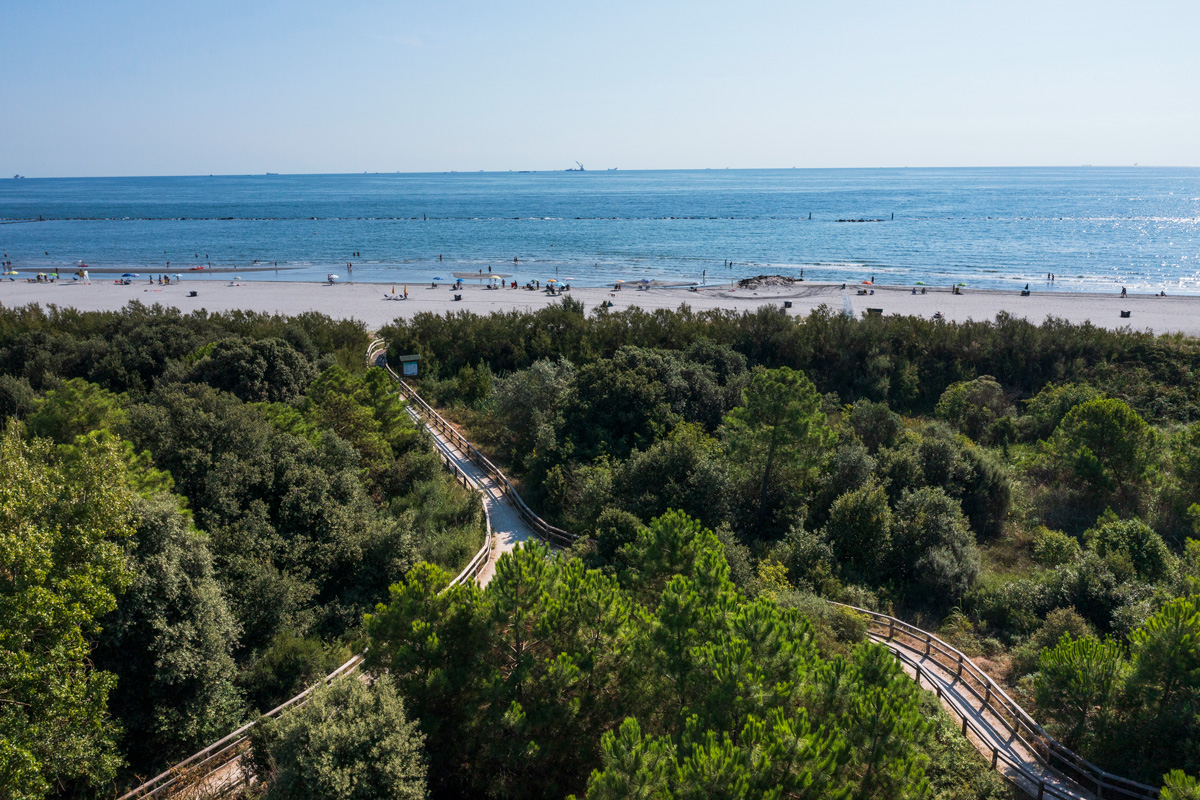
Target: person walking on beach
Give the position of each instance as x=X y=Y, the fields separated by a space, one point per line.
x=1123 y=292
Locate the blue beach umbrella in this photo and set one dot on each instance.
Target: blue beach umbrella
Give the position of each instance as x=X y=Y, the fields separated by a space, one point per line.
x=131 y=275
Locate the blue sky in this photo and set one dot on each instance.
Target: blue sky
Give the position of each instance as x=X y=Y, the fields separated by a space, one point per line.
x=165 y=88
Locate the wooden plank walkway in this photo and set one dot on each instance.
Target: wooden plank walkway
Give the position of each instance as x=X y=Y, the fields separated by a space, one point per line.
x=508 y=528
x=999 y=729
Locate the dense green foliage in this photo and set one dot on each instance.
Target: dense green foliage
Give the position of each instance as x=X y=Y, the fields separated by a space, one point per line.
x=657 y=678
x=197 y=512
x=1017 y=481
x=350 y=741
x=64 y=519
x=1098 y=697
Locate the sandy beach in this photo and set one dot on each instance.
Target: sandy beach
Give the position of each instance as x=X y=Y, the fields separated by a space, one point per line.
x=374 y=303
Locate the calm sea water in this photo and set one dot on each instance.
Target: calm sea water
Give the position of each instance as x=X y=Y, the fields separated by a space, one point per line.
x=1096 y=228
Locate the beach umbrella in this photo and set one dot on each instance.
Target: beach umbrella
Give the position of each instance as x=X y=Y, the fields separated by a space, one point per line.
x=960 y=284
x=131 y=275
x=552 y=280
x=868 y=283
x=920 y=283
x=645 y=280
x=176 y=275
x=620 y=281
x=437 y=277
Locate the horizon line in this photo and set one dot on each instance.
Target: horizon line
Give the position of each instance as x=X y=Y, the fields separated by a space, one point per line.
x=18 y=176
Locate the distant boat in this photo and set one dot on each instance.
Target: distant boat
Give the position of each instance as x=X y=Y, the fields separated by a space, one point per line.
x=612 y=169
x=272 y=173
x=18 y=177
x=575 y=169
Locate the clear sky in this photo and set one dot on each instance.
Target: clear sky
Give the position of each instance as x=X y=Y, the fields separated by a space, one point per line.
x=175 y=88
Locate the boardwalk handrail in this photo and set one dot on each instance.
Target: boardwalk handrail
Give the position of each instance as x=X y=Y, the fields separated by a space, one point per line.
x=1047 y=751
x=232 y=746
x=1022 y=728
x=224 y=750
x=1052 y=754
x=540 y=526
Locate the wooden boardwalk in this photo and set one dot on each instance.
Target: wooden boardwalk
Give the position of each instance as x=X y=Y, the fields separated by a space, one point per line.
x=1007 y=737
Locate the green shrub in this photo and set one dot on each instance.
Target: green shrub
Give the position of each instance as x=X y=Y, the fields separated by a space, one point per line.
x=350 y=741
x=1052 y=548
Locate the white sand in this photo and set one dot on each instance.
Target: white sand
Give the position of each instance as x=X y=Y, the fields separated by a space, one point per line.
x=366 y=301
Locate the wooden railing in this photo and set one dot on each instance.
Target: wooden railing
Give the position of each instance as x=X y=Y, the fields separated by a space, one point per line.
x=1020 y=729
x=196 y=773
x=542 y=528
x=481 y=557
x=1018 y=726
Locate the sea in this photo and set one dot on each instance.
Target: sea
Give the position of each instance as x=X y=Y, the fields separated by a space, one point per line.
x=1092 y=228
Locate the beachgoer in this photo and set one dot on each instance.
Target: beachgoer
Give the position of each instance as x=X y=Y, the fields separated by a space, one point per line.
x=1124 y=293
x=1027 y=287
